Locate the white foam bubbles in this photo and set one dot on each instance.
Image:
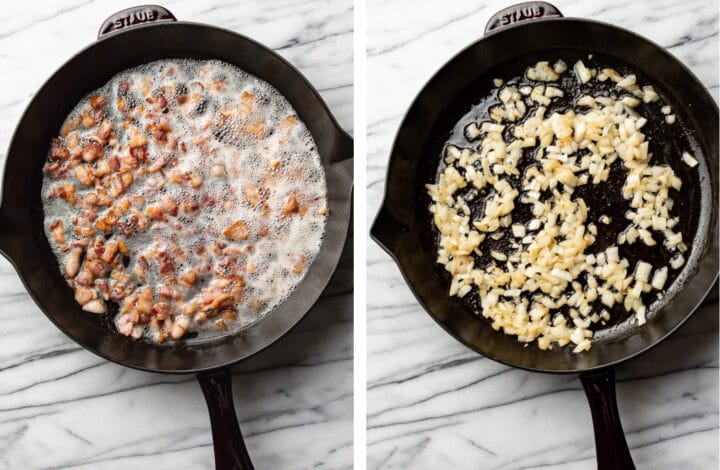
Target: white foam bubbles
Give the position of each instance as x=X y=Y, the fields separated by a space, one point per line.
x=238 y=136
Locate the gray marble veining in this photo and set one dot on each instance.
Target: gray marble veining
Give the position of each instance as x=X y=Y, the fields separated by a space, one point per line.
x=63 y=407
x=433 y=403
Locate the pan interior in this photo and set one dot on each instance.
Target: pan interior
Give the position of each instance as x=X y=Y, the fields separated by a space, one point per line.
x=667 y=143
x=455 y=92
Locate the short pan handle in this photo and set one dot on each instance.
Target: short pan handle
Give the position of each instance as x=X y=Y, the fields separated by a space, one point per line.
x=228 y=444
x=527 y=11
x=134 y=16
x=611 y=448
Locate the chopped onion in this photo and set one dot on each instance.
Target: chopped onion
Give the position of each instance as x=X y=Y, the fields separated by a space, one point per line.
x=659 y=278
x=689 y=160
x=642 y=271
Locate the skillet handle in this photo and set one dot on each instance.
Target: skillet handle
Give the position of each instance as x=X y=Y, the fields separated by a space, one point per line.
x=343 y=148
x=341 y=159
x=228 y=443
x=133 y=16
x=344 y=170
x=6 y=234
x=611 y=448
x=387 y=231
x=527 y=11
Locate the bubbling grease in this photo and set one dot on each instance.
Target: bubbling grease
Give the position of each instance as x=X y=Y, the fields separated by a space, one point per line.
x=240 y=154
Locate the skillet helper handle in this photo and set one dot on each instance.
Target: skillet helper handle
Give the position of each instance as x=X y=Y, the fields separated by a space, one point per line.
x=341 y=159
x=134 y=16
x=611 y=448
x=344 y=170
x=5 y=234
x=527 y=11
x=228 y=443
x=343 y=148
x=387 y=231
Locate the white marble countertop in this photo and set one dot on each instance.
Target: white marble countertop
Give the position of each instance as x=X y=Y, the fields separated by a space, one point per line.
x=432 y=403
x=63 y=407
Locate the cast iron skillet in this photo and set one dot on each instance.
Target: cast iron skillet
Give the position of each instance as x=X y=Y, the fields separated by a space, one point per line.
x=130 y=38
x=403 y=224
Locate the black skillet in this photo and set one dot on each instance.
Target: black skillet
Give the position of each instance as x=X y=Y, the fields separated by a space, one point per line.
x=127 y=39
x=515 y=38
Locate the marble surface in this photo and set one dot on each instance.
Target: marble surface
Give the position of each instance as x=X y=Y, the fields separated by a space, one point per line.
x=63 y=407
x=434 y=404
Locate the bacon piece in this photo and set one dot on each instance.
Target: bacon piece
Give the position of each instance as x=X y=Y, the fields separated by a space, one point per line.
x=85 y=278
x=103 y=288
x=291 y=206
x=189 y=207
x=237 y=231
x=58 y=151
x=72 y=264
x=95 y=306
x=138 y=219
x=103 y=168
x=110 y=249
x=125 y=229
x=91 y=151
x=114 y=163
x=161 y=310
x=160 y=102
x=188 y=279
x=246 y=104
x=54 y=169
x=95 y=267
x=252 y=194
x=70 y=125
x=104 y=130
x=137 y=138
x=139 y=153
x=169 y=292
x=97 y=101
x=165 y=262
x=58 y=231
x=169 y=205
x=255 y=128
x=84 y=295
x=125 y=325
x=300 y=265
x=87 y=120
x=195 y=180
x=145 y=300
x=65 y=191
x=83 y=173
x=155 y=213
x=285 y=128
x=119 y=183
x=180 y=326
